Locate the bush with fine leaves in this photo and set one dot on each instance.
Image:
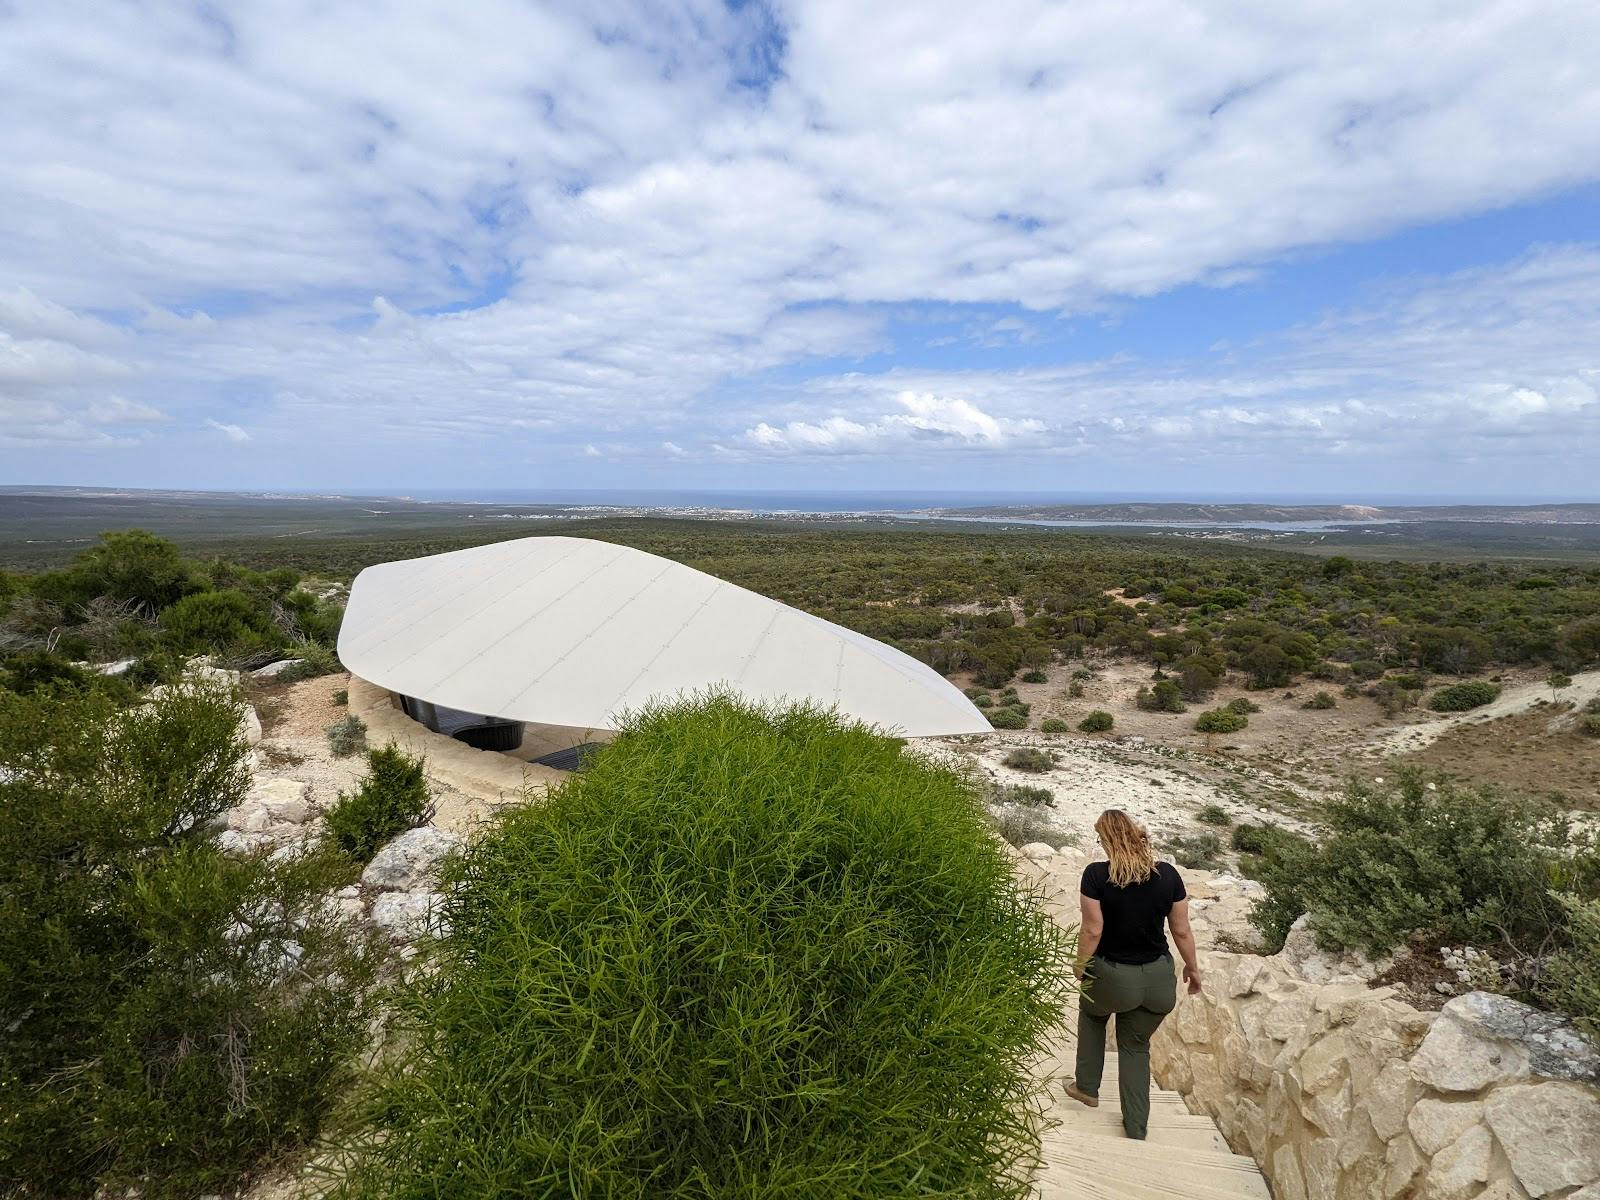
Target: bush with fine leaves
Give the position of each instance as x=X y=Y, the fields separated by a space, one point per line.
x=1455 y=865
x=1460 y=697
x=172 y=1016
x=742 y=954
x=391 y=798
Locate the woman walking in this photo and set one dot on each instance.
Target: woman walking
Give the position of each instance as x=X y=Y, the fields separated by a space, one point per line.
x=1125 y=964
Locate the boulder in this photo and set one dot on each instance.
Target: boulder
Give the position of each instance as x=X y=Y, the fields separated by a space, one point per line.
x=240 y=843
x=285 y=801
x=408 y=862
x=1481 y=1039
x=1437 y=1123
x=1459 y=1171
x=1316 y=965
x=406 y=916
x=249 y=818
x=273 y=670
x=1039 y=851
x=250 y=724
x=1550 y=1133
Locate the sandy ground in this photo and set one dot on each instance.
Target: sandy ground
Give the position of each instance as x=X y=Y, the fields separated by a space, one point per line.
x=1289 y=756
x=294 y=744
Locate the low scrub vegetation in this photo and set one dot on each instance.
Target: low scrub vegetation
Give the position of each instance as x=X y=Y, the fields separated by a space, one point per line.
x=1460 y=697
x=132 y=595
x=391 y=798
x=1098 y=721
x=173 y=1016
x=347 y=736
x=1221 y=720
x=1201 y=851
x=1446 y=865
x=1052 y=725
x=1034 y=759
x=705 y=968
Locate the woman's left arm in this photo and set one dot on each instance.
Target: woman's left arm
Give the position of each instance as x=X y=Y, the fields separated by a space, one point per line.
x=1091 y=924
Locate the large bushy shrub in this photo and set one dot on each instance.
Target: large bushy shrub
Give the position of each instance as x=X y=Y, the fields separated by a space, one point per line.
x=1221 y=720
x=1454 y=865
x=1165 y=696
x=231 y=624
x=392 y=797
x=171 y=1015
x=1098 y=721
x=743 y=954
x=1010 y=717
x=1459 y=697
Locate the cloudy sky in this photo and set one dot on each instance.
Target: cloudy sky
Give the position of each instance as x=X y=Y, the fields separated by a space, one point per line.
x=1122 y=246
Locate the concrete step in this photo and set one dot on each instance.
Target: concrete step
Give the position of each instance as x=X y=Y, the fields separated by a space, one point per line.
x=1078 y=1163
x=1202 y=1135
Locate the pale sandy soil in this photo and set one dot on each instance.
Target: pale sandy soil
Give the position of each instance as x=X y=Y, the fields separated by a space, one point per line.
x=1302 y=754
x=294 y=744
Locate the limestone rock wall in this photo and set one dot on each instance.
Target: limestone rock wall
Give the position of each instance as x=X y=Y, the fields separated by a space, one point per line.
x=1344 y=1092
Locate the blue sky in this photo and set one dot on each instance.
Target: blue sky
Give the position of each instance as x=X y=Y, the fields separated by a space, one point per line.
x=1159 y=247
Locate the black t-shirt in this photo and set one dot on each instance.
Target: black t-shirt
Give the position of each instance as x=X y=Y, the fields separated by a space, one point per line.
x=1134 y=914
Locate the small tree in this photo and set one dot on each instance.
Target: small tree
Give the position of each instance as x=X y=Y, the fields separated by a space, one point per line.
x=391 y=798
x=1557 y=681
x=1220 y=720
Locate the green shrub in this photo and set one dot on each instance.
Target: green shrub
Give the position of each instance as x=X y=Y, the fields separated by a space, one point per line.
x=1009 y=717
x=1199 y=851
x=1221 y=720
x=347 y=736
x=705 y=968
x=391 y=798
x=230 y=624
x=1571 y=979
x=1023 y=793
x=1242 y=705
x=1322 y=700
x=173 y=1016
x=1052 y=725
x=1214 y=814
x=1165 y=696
x=341 y=697
x=1035 y=677
x=1459 y=697
x=1030 y=758
x=1589 y=724
x=1098 y=721
x=1452 y=864
x=36 y=670
x=1074 y=689
x=1019 y=825
x=1248 y=838
x=983 y=700
x=315 y=660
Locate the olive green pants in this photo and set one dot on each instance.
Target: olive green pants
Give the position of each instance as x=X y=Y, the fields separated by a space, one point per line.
x=1139 y=996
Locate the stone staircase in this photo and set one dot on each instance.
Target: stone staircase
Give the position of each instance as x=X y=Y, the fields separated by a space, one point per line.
x=1086 y=1156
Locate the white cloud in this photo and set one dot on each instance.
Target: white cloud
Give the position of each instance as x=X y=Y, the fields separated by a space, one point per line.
x=234 y=433
x=386 y=222
x=928 y=422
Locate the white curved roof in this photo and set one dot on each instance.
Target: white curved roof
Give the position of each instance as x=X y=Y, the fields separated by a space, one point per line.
x=568 y=631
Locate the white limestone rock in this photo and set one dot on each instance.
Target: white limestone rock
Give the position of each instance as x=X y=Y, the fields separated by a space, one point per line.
x=408 y=862
x=273 y=670
x=1482 y=1039
x=1039 y=851
x=1550 y=1132
x=250 y=724
x=241 y=843
x=285 y=801
x=1316 y=965
x=406 y=916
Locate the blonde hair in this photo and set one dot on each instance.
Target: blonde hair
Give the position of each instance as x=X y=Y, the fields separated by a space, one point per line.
x=1127 y=843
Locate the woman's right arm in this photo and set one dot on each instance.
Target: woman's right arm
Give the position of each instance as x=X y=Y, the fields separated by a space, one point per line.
x=1178 y=921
